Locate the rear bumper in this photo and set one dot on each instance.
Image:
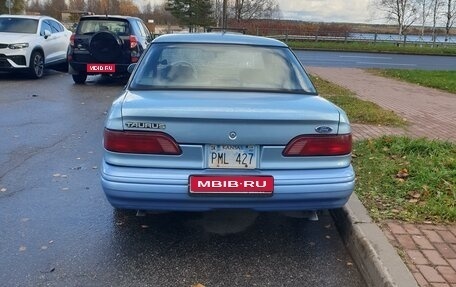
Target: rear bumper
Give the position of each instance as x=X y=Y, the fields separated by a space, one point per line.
x=167 y=189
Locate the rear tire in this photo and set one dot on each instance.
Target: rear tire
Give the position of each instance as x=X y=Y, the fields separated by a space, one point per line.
x=79 y=78
x=36 y=67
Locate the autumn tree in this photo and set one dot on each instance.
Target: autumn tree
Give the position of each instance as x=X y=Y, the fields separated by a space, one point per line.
x=425 y=11
x=77 y=5
x=127 y=7
x=436 y=7
x=159 y=14
x=403 y=12
x=34 y=6
x=54 y=8
x=450 y=17
x=17 y=8
x=255 y=9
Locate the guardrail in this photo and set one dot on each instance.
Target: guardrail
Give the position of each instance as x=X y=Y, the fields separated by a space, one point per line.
x=374 y=38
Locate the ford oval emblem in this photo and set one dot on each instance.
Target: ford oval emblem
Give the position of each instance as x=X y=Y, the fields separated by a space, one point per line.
x=323 y=130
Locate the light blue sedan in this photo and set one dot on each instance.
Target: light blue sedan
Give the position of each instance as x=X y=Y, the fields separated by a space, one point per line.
x=224 y=121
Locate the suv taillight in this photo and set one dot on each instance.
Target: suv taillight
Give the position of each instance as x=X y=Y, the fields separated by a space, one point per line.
x=133 y=41
x=316 y=145
x=140 y=142
x=72 y=40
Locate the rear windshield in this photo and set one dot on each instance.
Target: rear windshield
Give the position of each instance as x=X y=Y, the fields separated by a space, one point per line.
x=17 y=25
x=92 y=26
x=220 y=66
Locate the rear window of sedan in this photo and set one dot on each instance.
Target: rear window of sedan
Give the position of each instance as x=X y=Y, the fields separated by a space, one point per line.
x=220 y=66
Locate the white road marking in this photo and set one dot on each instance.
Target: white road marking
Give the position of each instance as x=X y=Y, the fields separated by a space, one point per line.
x=367 y=57
x=389 y=64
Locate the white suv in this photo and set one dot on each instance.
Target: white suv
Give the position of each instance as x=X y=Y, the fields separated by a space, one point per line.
x=32 y=43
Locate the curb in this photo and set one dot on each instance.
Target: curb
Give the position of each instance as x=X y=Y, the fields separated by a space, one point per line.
x=376 y=258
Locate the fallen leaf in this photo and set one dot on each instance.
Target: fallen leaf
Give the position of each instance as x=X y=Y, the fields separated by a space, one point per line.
x=22 y=248
x=416 y=195
x=94 y=167
x=3 y=189
x=64 y=176
x=144 y=226
x=403 y=173
x=56 y=175
x=25 y=219
x=65 y=189
x=198 y=285
x=328 y=237
x=51 y=241
x=44 y=247
x=328 y=226
x=349 y=264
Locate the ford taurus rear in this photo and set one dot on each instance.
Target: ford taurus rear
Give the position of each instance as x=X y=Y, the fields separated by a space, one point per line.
x=214 y=121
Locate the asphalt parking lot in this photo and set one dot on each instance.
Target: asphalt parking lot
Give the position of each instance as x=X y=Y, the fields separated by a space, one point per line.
x=57 y=229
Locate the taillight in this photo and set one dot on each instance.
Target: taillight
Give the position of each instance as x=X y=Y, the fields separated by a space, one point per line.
x=133 y=41
x=319 y=145
x=140 y=142
x=72 y=40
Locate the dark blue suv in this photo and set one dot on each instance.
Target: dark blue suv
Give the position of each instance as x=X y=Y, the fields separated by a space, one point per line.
x=106 y=45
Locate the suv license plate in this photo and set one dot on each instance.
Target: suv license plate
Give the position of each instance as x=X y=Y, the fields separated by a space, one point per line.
x=101 y=68
x=232 y=156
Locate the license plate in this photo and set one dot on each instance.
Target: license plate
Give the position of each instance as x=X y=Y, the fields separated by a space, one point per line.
x=242 y=184
x=232 y=156
x=101 y=68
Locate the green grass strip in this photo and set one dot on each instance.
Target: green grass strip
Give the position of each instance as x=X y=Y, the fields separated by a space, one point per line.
x=407 y=179
x=442 y=80
x=358 y=111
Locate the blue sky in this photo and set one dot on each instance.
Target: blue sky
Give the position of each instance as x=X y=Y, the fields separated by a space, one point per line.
x=327 y=10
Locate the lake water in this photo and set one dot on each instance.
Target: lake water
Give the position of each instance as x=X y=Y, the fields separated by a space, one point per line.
x=397 y=38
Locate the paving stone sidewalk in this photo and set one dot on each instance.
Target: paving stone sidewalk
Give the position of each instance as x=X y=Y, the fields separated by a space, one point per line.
x=428 y=250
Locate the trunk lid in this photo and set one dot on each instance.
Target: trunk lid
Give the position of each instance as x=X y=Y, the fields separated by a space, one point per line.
x=204 y=117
